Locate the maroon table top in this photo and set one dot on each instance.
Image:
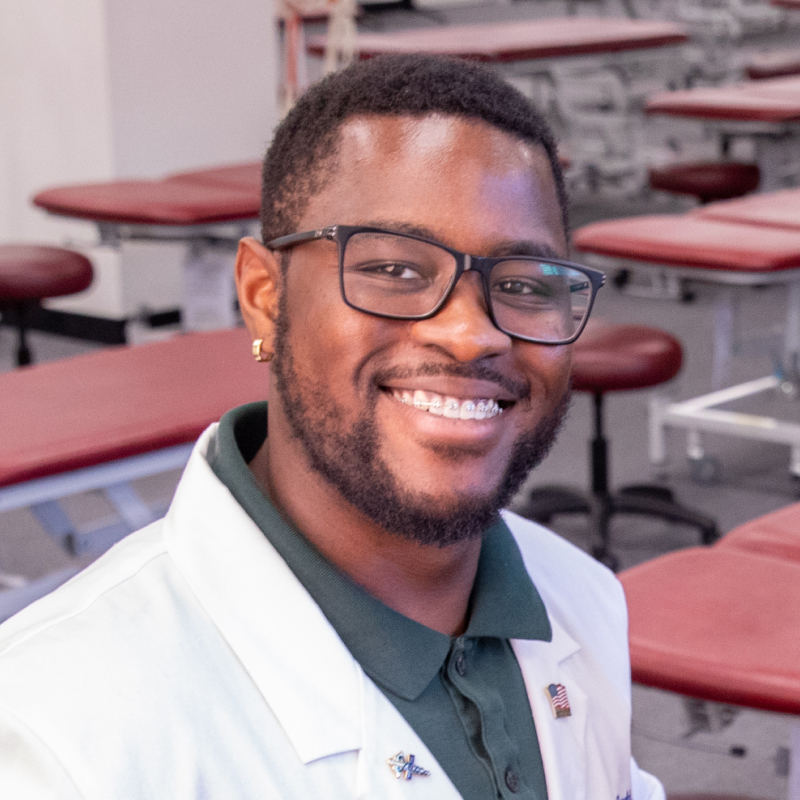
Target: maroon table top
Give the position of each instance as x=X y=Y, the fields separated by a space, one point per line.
x=122 y=401
x=143 y=202
x=786 y=3
x=688 y=240
x=771 y=209
x=774 y=100
x=774 y=63
x=718 y=624
x=246 y=177
x=518 y=41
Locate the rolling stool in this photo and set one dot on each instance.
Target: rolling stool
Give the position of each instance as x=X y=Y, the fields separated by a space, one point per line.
x=609 y=358
x=29 y=273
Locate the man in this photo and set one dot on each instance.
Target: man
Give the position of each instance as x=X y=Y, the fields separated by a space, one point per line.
x=336 y=609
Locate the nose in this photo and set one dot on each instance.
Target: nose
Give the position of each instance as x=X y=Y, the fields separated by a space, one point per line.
x=462 y=328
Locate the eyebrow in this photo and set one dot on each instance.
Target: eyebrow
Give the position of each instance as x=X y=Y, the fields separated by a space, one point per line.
x=511 y=247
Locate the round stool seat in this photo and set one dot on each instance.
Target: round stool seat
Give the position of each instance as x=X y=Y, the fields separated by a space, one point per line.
x=32 y=272
x=706 y=181
x=610 y=358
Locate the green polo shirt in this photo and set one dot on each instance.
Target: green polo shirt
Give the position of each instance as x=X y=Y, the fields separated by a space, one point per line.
x=463 y=696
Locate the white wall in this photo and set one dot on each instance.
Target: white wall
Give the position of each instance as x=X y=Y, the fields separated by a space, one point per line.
x=97 y=89
x=193 y=82
x=55 y=122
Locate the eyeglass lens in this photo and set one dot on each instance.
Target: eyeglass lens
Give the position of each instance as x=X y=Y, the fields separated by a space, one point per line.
x=402 y=277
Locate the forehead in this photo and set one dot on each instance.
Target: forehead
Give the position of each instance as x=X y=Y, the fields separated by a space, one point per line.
x=464 y=179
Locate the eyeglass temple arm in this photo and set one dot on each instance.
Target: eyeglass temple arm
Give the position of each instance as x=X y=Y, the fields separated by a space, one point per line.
x=282 y=242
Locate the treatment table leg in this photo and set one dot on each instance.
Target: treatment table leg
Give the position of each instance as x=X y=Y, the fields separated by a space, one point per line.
x=657 y=437
x=793 y=790
x=791 y=336
x=724 y=331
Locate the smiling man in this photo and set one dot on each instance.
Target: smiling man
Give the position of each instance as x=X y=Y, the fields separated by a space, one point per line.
x=334 y=606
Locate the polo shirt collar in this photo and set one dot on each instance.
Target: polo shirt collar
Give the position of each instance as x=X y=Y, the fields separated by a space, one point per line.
x=398 y=653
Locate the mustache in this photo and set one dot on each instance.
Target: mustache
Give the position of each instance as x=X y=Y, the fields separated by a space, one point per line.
x=519 y=390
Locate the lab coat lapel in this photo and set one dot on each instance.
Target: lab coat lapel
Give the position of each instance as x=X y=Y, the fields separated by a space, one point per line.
x=295 y=658
x=385 y=733
x=562 y=741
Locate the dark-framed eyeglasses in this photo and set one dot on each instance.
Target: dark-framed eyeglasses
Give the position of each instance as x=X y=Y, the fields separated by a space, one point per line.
x=407 y=277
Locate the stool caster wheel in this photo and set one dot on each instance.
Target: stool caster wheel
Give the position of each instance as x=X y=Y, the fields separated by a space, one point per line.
x=606 y=557
x=705 y=470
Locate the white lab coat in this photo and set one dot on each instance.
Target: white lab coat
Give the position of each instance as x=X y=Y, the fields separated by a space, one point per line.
x=189 y=662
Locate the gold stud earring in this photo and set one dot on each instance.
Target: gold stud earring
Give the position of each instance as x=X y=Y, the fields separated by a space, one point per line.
x=258 y=354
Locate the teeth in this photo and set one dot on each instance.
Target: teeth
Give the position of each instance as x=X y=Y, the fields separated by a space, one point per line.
x=450 y=407
x=421 y=400
x=467 y=410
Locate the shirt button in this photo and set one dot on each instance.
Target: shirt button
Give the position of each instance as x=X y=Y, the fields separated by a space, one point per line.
x=512 y=780
x=461 y=665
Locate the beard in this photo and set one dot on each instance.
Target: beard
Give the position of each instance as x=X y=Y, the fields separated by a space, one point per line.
x=350 y=461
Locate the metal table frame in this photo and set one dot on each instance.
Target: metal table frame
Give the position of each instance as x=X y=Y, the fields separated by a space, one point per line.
x=700 y=414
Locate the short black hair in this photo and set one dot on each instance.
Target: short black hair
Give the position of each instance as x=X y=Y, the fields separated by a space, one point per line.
x=299 y=160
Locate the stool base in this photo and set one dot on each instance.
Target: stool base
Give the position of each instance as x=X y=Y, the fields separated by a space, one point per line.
x=546 y=502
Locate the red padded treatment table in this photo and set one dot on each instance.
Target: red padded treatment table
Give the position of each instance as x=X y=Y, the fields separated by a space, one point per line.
x=104 y=419
x=121 y=402
x=211 y=209
x=167 y=202
x=776 y=534
x=771 y=209
x=774 y=64
x=245 y=177
x=775 y=100
x=721 y=625
x=717 y=624
x=744 y=253
x=521 y=40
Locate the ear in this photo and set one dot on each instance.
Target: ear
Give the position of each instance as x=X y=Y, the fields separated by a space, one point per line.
x=258 y=278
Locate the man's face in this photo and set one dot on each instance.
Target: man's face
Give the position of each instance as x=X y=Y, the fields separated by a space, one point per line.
x=342 y=374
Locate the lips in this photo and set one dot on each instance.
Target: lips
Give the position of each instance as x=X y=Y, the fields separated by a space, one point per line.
x=448 y=406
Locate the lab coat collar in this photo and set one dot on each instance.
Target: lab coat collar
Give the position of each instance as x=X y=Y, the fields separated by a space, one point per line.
x=293 y=655
x=305 y=673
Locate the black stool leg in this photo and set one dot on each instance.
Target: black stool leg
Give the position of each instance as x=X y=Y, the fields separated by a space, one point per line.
x=602 y=507
x=23 y=351
x=640 y=500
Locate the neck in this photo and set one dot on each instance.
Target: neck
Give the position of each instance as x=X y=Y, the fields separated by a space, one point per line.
x=429 y=584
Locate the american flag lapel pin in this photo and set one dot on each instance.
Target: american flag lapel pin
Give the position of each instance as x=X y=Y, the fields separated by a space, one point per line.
x=559 y=702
